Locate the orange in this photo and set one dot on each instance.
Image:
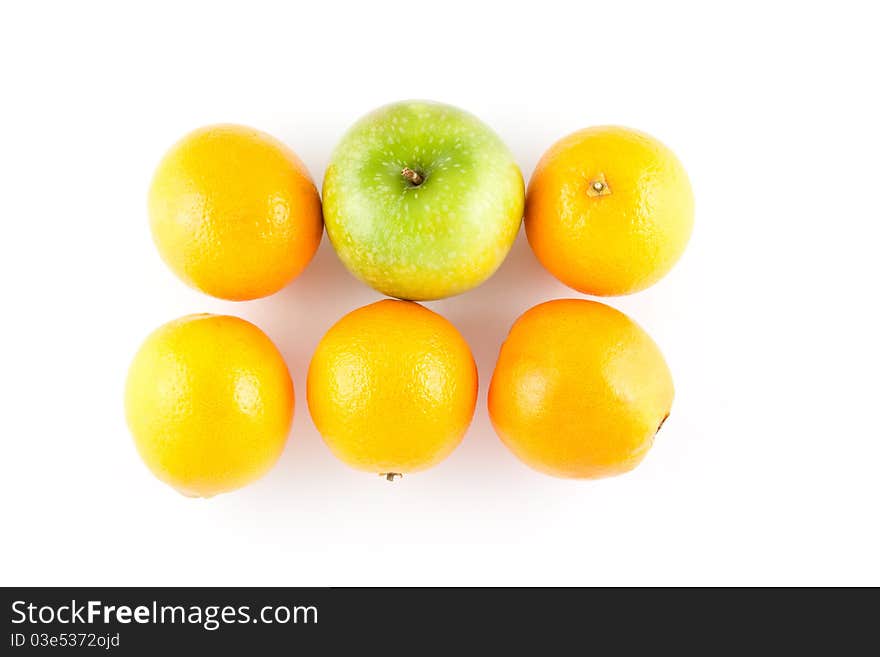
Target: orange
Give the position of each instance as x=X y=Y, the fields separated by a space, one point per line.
x=392 y=388
x=579 y=390
x=609 y=210
x=234 y=212
x=209 y=402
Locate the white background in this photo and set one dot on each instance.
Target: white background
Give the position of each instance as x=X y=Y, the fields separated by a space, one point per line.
x=765 y=473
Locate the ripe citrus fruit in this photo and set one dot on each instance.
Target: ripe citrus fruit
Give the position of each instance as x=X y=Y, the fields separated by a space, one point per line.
x=422 y=200
x=234 y=212
x=392 y=388
x=209 y=401
x=609 y=210
x=579 y=390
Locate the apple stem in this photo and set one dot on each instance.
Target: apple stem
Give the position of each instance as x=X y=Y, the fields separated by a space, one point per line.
x=659 y=426
x=389 y=476
x=412 y=176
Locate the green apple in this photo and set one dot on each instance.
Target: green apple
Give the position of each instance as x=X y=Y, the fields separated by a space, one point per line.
x=422 y=200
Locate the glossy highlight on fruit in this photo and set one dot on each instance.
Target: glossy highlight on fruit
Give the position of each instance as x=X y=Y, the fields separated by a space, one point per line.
x=609 y=210
x=392 y=388
x=422 y=200
x=209 y=402
x=579 y=390
x=234 y=212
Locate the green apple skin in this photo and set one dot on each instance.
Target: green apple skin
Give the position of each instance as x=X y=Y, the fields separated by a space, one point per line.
x=439 y=235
